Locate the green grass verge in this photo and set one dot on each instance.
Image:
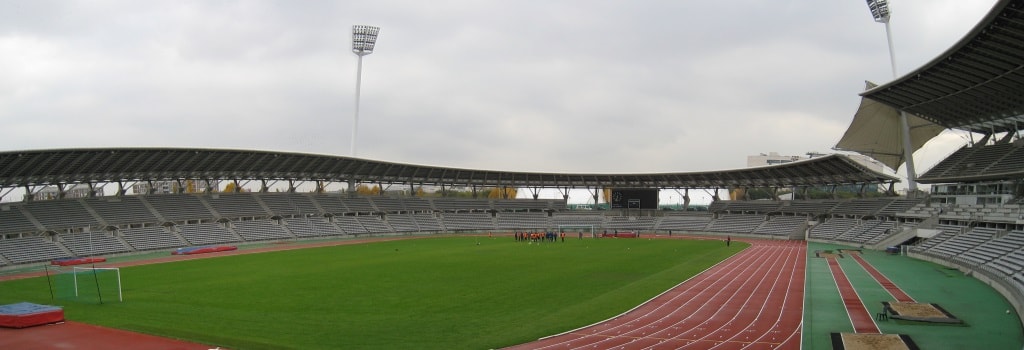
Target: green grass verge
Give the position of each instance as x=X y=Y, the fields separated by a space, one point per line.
x=438 y=293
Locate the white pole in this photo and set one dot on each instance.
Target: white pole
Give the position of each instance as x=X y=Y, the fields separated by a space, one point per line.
x=908 y=151
x=120 y=297
x=355 y=121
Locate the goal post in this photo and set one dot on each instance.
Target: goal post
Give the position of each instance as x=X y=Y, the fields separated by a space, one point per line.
x=90 y=284
x=571 y=230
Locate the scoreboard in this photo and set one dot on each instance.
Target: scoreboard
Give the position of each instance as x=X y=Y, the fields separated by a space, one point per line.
x=634 y=198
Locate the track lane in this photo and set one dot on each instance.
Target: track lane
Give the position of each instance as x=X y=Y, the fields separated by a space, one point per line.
x=753 y=300
x=860 y=318
x=897 y=293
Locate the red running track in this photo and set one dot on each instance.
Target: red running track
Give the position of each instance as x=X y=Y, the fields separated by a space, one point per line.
x=753 y=300
x=889 y=286
x=859 y=315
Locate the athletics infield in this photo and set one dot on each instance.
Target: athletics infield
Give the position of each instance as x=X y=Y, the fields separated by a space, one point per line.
x=773 y=295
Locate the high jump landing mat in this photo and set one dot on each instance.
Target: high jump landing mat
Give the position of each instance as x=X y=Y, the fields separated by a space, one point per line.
x=21 y=315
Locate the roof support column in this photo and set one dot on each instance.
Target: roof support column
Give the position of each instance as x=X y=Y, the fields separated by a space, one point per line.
x=686 y=199
x=28 y=194
x=60 y=191
x=908 y=153
x=120 y=189
x=565 y=193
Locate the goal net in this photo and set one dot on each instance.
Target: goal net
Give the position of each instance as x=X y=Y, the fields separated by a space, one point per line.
x=577 y=230
x=89 y=284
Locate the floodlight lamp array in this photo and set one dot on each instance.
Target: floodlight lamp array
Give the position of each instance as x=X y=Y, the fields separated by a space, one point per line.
x=363 y=39
x=879 y=10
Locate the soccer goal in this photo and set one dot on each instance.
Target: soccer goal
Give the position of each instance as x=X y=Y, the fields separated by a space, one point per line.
x=90 y=284
x=575 y=230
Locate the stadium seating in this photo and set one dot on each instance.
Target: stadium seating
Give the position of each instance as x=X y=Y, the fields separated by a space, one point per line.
x=832 y=228
x=467 y=221
x=523 y=220
x=13 y=221
x=738 y=223
x=31 y=249
x=781 y=225
x=427 y=222
x=260 y=230
x=374 y=224
x=350 y=225
x=177 y=207
x=584 y=218
x=311 y=227
x=151 y=238
x=120 y=210
x=630 y=223
x=235 y=205
x=61 y=214
x=207 y=233
x=148 y=222
x=94 y=243
x=694 y=223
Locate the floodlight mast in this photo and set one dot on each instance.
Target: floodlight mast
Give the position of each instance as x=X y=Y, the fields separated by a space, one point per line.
x=364 y=38
x=880 y=12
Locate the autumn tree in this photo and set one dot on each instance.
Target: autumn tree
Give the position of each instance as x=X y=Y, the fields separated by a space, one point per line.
x=366 y=190
x=502 y=193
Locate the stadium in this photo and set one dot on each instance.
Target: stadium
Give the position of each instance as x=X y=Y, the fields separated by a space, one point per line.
x=185 y=264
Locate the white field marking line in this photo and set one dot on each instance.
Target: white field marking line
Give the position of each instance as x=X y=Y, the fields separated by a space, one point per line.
x=734 y=262
x=764 y=273
x=865 y=265
x=800 y=258
x=772 y=291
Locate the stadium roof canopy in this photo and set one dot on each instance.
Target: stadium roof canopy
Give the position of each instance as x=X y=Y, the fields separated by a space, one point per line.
x=119 y=165
x=976 y=85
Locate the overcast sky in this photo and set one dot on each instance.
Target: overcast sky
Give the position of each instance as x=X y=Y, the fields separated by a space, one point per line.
x=551 y=86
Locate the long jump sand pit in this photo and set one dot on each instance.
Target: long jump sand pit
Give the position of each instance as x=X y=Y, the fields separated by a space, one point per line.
x=923 y=312
x=861 y=341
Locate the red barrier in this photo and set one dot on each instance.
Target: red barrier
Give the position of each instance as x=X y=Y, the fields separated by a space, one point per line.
x=77 y=261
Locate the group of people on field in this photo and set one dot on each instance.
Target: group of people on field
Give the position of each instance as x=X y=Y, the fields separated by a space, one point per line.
x=537 y=237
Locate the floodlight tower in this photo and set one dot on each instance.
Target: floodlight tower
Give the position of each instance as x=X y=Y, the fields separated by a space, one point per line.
x=880 y=11
x=363 y=40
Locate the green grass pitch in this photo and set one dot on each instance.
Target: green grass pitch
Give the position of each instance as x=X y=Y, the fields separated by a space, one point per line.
x=436 y=293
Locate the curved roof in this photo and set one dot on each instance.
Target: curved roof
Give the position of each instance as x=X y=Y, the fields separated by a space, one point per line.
x=106 y=165
x=876 y=132
x=976 y=85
